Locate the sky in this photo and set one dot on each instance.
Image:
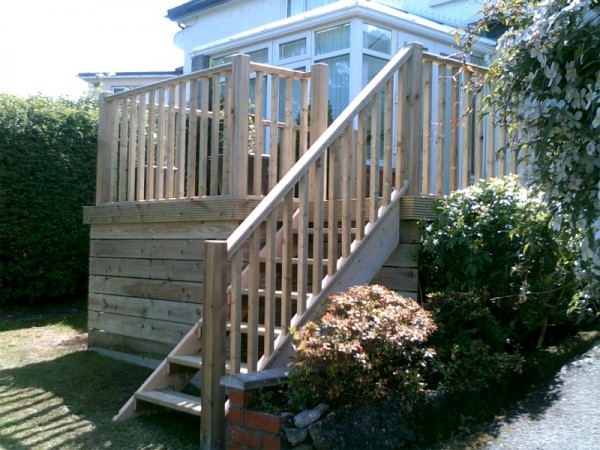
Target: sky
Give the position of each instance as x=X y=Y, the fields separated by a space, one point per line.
x=44 y=44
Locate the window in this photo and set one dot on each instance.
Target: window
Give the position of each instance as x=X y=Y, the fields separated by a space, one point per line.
x=118 y=89
x=332 y=39
x=259 y=56
x=299 y=6
x=371 y=67
x=339 y=82
x=377 y=39
x=293 y=48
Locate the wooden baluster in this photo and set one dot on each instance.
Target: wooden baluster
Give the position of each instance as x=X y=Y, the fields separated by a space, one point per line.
x=387 y=143
x=141 y=148
x=441 y=129
x=454 y=128
x=361 y=174
x=427 y=125
x=274 y=133
x=192 y=150
x=215 y=173
x=151 y=161
x=259 y=134
x=203 y=148
x=235 y=313
x=253 y=300
x=467 y=142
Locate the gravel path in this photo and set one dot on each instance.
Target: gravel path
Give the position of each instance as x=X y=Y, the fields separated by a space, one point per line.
x=564 y=414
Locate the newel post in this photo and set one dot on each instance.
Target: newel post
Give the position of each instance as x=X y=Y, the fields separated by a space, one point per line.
x=238 y=174
x=319 y=114
x=411 y=164
x=214 y=317
x=104 y=158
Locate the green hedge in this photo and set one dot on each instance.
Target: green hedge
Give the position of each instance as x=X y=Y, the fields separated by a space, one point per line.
x=47 y=175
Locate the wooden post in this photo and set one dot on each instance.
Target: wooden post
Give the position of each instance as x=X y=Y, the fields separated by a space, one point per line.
x=213 y=345
x=411 y=165
x=104 y=162
x=319 y=108
x=241 y=97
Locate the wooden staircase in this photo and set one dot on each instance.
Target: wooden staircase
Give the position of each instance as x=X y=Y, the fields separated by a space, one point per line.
x=166 y=387
x=330 y=222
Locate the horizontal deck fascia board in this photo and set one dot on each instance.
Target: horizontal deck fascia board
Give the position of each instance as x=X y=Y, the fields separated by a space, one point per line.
x=219 y=209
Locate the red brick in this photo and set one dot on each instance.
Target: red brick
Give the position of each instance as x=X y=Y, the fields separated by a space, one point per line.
x=236 y=415
x=231 y=446
x=240 y=398
x=244 y=436
x=263 y=421
x=271 y=442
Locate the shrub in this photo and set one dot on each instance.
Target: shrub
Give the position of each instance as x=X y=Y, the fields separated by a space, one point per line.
x=472 y=346
x=371 y=342
x=496 y=240
x=47 y=175
x=547 y=92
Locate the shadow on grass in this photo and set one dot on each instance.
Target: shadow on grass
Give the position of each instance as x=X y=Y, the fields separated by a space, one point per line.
x=69 y=402
x=73 y=318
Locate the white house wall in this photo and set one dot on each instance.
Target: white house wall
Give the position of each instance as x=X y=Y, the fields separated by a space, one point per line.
x=229 y=19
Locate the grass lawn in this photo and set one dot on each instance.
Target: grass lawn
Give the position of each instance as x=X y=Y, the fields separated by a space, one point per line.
x=56 y=395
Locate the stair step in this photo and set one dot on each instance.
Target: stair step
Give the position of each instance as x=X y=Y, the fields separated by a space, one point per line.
x=261 y=293
x=171 y=399
x=279 y=260
x=195 y=361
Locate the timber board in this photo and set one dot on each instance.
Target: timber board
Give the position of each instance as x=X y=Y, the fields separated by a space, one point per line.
x=139 y=327
x=398 y=279
x=128 y=345
x=417 y=208
x=405 y=255
x=154 y=269
x=164 y=230
x=145 y=288
x=409 y=232
x=187 y=210
x=191 y=249
x=144 y=307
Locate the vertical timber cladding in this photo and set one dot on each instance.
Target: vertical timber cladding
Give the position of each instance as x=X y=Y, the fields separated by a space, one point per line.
x=146 y=277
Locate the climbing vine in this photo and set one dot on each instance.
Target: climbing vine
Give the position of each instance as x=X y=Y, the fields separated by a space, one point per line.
x=547 y=78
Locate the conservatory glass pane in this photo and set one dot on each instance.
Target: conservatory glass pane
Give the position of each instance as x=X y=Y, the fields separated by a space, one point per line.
x=339 y=83
x=293 y=48
x=377 y=39
x=371 y=67
x=332 y=39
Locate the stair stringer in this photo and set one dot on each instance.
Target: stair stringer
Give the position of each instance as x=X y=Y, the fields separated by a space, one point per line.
x=365 y=260
x=190 y=344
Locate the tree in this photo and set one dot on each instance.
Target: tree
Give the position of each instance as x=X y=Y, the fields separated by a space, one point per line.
x=547 y=92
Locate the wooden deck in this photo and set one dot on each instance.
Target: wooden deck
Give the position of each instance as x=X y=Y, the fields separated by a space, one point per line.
x=203 y=250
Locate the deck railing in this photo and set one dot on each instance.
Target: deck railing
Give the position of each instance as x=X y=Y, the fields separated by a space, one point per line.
x=197 y=135
x=460 y=139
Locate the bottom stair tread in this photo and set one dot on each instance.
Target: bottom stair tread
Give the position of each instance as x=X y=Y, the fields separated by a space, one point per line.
x=172 y=399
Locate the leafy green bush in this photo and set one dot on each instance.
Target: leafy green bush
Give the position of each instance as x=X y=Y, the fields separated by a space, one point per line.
x=47 y=174
x=371 y=342
x=472 y=346
x=496 y=239
x=546 y=91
